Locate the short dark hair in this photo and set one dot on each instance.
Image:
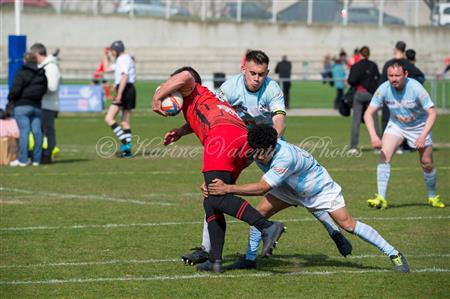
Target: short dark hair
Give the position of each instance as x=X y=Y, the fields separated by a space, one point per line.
x=364 y=51
x=410 y=55
x=257 y=56
x=262 y=137
x=401 y=46
x=191 y=70
x=396 y=63
x=39 y=48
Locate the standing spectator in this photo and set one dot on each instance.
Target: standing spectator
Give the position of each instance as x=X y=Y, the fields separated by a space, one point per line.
x=354 y=59
x=50 y=102
x=343 y=57
x=338 y=75
x=326 y=72
x=29 y=86
x=125 y=100
x=283 y=69
x=364 y=76
x=411 y=55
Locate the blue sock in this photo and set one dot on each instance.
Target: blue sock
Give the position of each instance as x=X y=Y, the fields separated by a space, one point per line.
x=430 y=182
x=383 y=174
x=326 y=220
x=368 y=234
x=254 y=238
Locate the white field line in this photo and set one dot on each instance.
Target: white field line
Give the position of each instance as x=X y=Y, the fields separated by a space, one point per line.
x=210 y=276
x=122 y=225
x=85 y=197
x=184 y=171
x=178 y=260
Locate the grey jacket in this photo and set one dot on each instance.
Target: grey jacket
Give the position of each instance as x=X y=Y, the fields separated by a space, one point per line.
x=51 y=98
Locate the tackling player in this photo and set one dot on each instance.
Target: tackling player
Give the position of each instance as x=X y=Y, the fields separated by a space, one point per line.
x=259 y=100
x=293 y=177
x=412 y=116
x=218 y=127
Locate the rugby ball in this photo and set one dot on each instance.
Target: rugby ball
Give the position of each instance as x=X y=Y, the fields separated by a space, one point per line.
x=172 y=104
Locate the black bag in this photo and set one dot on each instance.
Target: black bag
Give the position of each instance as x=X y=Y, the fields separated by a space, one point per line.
x=346 y=103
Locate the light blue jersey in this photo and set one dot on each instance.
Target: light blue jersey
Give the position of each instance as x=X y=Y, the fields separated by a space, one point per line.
x=253 y=107
x=296 y=168
x=407 y=107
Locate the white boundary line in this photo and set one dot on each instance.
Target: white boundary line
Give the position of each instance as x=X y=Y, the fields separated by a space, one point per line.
x=178 y=260
x=122 y=225
x=183 y=171
x=85 y=197
x=213 y=276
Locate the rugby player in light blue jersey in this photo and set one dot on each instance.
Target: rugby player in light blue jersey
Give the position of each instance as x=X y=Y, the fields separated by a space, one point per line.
x=412 y=116
x=293 y=177
x=259 y=100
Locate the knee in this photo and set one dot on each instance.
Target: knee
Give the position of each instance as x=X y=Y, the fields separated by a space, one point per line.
x=427 y=165
x=348 y=225
x=385 y=157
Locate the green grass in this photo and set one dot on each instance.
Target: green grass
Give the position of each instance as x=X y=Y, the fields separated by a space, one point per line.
x=304 y=94
x=100 y=226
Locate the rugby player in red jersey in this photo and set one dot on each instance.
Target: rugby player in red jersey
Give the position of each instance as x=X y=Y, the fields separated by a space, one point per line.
x=223 y=135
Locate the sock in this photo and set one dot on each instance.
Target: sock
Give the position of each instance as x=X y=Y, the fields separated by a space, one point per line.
x=206 y=243
x=383 y=174
x=368 y=234
x=254 y=238
x=430 y=182
x=127 y=135
x=119 y=132
x=326 y=221
x=216 y=228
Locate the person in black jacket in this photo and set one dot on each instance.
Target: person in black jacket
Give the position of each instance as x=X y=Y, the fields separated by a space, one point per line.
x=29 y=86
x=364 y=76
x=283 y=69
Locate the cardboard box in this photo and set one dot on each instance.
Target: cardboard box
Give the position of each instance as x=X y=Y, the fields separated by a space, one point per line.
x=8 y=150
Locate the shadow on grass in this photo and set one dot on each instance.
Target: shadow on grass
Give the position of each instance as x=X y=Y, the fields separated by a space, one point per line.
x=69 y=161
x=296 y=262
x=405 y=205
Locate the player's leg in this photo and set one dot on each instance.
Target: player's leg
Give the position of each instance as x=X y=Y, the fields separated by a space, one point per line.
x=429 y=176
x=268 y=206
x=390 y=143
x=370 y=235
x=240 y=209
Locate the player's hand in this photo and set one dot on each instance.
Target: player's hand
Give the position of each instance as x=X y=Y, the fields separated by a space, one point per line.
x=217 y=187
x=376 y=142
x=204 y=190
x=117 y=99
x=156 y=107
x=172 y=136
x=420 y=142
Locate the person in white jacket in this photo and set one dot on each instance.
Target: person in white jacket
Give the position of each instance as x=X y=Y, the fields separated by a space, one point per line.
x=50 y=102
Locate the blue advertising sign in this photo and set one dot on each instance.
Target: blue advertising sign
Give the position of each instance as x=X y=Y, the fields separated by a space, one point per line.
x=72 y=98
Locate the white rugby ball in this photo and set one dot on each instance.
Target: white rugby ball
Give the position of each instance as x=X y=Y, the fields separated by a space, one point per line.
x=172 y=104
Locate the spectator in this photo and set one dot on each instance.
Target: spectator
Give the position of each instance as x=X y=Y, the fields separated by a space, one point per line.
x=338 y=75
x=354 y=59
x=29 y=86
x=411 y=56
x=283 y=69
x=326 y=72
x=364 y=76
x=50 y=102
x=343 y=57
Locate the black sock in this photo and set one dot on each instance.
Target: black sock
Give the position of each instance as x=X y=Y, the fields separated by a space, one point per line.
x=216 y=228
x=127 y=135
x=119 y=132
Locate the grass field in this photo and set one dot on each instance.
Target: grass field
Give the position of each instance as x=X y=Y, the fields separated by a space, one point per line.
x=304 y=94
x=94 y=226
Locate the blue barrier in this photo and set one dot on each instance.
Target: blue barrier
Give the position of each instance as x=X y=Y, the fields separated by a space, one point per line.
x=72 y=98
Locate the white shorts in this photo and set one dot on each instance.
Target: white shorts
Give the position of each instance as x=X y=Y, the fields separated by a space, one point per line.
x=410 y=134
x=328 y=200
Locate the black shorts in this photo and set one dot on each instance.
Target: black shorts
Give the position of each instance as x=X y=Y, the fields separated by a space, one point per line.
x=128 y=97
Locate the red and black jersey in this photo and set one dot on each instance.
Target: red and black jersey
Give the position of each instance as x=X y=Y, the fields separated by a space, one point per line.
x=204 y=111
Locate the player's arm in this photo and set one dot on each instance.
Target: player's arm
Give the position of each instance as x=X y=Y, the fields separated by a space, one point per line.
x=182 y=82
x=431 y=119
x=369 y=119
x=218 y=187
x=122 y=84
x=107 y=61
x=175 y=134
x=279 y=122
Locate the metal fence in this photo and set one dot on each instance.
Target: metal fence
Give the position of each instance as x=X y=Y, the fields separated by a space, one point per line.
x=371 y=12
